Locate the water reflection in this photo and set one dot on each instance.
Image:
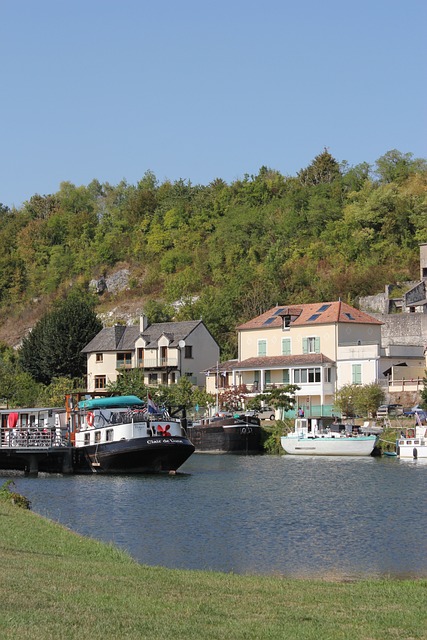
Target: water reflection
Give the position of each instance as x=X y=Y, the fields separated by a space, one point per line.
x=296 y=516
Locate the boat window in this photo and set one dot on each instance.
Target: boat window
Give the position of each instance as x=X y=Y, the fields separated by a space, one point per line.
x=87 y=438
x=109 y=435
x=97 y=436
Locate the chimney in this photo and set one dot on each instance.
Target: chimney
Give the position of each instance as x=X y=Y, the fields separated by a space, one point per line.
x=143 y=323
x=119 y=330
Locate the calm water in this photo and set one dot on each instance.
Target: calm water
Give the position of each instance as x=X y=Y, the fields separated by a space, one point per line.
x=294 y=516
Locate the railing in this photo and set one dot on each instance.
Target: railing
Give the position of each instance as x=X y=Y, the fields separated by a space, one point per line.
x=411 y=384
x=155 y=363
x=32 y=437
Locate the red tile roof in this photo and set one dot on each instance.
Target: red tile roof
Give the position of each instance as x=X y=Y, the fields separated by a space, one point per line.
x=309 y=314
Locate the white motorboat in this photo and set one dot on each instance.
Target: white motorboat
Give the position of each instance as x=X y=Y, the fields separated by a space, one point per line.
x=309 y=439
x=413 y=443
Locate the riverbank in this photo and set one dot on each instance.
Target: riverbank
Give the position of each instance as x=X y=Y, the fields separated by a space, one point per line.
x=57 y=584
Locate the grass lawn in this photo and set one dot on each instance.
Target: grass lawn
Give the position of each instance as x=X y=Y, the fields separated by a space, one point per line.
x=55 y=584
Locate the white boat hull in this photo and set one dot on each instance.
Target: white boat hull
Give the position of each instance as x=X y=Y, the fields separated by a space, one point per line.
x=413 y=444
x=328 y=445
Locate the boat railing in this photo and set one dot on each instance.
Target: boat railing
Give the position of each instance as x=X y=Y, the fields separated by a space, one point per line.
x=29 y=437
x=111 y=418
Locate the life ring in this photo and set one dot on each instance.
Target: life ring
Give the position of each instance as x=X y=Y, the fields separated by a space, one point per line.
x=90 y=419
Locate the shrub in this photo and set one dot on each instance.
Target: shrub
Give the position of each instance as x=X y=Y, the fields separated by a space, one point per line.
x=7 y=495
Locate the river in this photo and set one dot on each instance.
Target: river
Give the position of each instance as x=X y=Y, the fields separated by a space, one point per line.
x=343 y=518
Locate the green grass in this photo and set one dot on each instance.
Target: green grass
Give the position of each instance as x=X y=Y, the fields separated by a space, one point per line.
x=55 y=584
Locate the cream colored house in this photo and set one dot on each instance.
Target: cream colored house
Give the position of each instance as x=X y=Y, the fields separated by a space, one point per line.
x=319 y=347
x=165 y=351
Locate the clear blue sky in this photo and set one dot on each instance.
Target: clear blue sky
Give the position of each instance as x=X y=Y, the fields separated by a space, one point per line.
x=199 y=90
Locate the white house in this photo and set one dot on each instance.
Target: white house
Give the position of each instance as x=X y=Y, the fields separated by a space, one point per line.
x=165 y=351
x=320 y=347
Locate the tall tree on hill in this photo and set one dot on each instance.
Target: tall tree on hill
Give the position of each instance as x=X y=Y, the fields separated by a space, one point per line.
x=53 y=348
x=323 y=169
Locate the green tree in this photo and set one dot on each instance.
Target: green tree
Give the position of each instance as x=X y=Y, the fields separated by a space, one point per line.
x=395 y=166
x=17 y=388
x=323 y=169
x=424 y=392
x=281 y=397
x=129 y=382
x=53 y=348
x=53 y=395
x=357 y=399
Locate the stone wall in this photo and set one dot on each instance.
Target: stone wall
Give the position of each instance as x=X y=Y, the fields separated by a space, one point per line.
x=403 y=328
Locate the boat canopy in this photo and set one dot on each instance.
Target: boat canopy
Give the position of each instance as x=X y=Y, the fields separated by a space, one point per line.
x=111 y=403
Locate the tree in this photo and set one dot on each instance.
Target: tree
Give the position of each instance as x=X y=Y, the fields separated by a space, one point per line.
x=281 y=397
x=184 y=394
x=53 y=348
x=54 y=394
x=424 y=392
x=323 y=169
x=395 y=166
x=18 y=388
x=357 y=399
x=130 y=382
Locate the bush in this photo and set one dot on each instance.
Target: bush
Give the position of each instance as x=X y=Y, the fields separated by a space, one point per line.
x=11 y=496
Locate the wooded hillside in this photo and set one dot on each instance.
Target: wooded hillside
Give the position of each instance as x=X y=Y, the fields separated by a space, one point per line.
x=229 y=251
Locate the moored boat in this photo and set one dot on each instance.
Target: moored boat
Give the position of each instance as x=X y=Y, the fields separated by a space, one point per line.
x=226 y=433
x=310 y=439
x=123 y=435
x=412 y=443
x=119 y=434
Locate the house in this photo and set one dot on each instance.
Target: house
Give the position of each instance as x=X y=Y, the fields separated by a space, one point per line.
x=165 y=351
x=402 y=310
x=319 y=347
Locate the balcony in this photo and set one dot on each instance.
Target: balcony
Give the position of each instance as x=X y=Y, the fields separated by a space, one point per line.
x=355 y=351
x=158 y=363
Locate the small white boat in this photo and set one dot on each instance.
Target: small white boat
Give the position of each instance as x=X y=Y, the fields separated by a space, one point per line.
x=413 y=443
x=308 y=439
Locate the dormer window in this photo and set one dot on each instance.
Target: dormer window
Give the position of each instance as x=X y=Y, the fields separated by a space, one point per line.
x=286 y=322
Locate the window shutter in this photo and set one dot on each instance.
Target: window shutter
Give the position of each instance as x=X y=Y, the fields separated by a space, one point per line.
x=305 y=345
x=286 y=347
x=317 y=345
x=357 y=373
x=262 y=347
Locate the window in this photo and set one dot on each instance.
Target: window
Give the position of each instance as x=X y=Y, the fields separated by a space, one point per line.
x=100 y=382
x=188 y=351
x=311 y=345
x=123 y=360
x=99 y=357
x=140 y=356
x=328 y=374
x=97 y=436
x=286 y=378
x=286 y=346
x=307 y=375
x=109 y=435
x=152 y=378
x=262 y=347
x=267 y=377
x=87 y=438
x=356 y=373
x=286 y=322
x=314 y=374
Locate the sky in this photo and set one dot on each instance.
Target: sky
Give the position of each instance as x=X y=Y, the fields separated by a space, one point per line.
x=199 y=90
